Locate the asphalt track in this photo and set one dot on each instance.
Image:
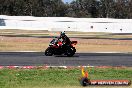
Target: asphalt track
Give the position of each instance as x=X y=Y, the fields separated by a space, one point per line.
x=38 y=58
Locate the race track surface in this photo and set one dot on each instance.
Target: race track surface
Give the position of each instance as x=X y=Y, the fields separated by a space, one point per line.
x=38 y=58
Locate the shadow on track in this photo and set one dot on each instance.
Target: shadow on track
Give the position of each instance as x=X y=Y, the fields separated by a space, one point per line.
x=66 y=56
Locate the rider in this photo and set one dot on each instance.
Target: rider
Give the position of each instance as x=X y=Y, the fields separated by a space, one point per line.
x=65 y=40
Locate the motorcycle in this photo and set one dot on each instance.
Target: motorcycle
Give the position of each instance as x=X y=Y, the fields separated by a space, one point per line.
x=56 y=47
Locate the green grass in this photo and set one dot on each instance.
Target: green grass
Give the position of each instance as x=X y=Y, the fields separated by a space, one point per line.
x=54 y=77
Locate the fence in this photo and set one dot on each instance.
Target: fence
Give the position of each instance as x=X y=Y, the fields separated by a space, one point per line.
x=66 y=24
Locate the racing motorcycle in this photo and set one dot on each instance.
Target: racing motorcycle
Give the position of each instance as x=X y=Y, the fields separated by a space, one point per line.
x=56 y=48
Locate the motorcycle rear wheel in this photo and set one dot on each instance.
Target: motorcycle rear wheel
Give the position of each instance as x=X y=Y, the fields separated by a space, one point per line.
x=70 y=52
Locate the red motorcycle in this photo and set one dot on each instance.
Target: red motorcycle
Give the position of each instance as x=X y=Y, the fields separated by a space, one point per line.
x=56 y=47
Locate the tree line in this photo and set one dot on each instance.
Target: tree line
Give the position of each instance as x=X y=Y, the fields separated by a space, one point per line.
x=77 y=8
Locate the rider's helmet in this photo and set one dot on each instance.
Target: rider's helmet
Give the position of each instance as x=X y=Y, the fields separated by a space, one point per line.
x=63 y=34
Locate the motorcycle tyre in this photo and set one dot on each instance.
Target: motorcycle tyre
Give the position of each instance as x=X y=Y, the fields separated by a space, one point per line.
x=49 y=49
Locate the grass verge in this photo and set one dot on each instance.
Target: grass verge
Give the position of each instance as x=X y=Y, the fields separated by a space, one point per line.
x=38 y=40
x=57 y=78
x=43 y=33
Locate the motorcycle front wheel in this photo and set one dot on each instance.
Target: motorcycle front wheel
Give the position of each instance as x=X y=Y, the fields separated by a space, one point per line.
x=49 y=51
